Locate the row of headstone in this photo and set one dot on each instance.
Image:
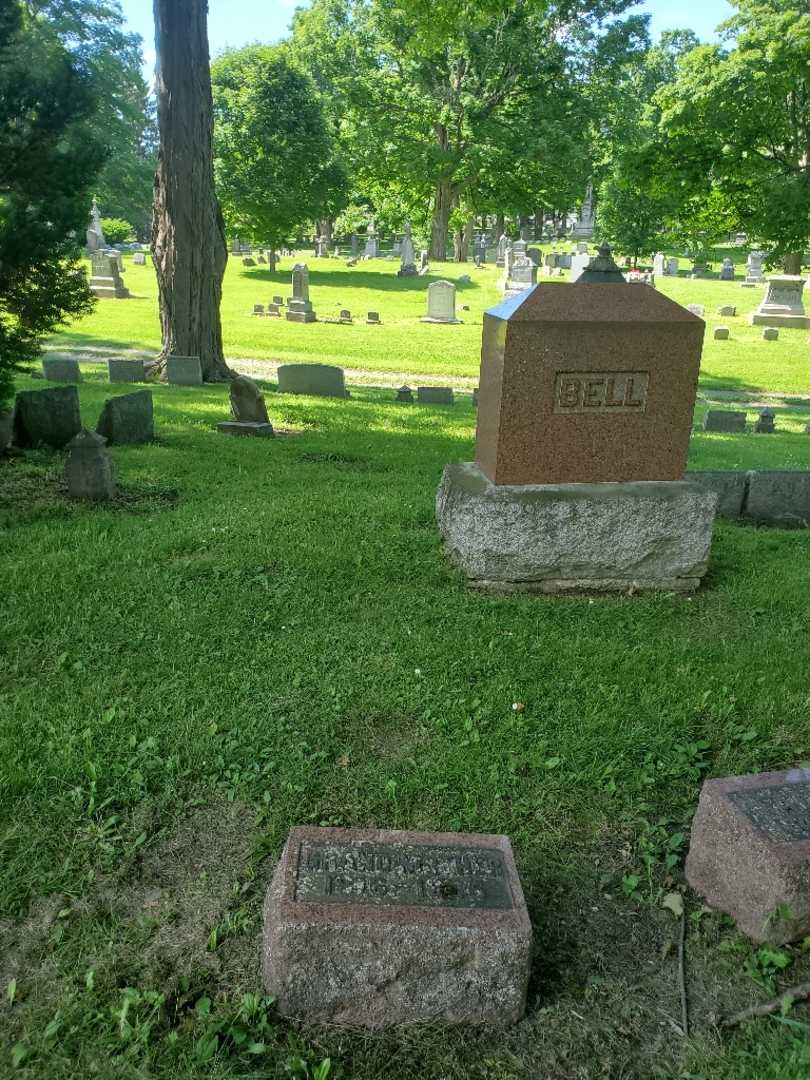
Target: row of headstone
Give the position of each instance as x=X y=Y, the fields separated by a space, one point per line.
x=730 y=421
x=52 y=417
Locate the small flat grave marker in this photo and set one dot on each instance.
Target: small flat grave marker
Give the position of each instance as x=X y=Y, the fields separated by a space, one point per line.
x=61 y=369
x=724 y=420
x=120 y=370
x=370 y=928
x=750 y=852
x=184 y=370
x=434 y=395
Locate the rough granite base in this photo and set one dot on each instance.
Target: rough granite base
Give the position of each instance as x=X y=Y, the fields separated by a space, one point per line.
x=750 y=852
x=369 y=929
x=790 y=322
x=553 y=538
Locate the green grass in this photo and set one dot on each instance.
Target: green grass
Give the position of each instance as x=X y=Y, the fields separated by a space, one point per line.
x=403 y=343
x=267 y=634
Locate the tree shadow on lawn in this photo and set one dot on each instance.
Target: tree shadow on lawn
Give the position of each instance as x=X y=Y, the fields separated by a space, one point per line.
x=358 y=279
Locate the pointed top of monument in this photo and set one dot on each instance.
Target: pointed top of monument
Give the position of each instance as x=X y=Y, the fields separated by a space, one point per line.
x=602 y=268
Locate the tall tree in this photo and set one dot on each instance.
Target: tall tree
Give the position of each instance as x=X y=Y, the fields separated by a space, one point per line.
x=273 y=153
x=188 y=231
x=49 y=158
x=94 y=32
x=736 y=122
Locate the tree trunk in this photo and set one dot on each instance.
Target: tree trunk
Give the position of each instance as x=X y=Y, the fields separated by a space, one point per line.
x=467 y=239
x=793 y=264
x=272 y=259
x=458 y=246
x=188 y=233
x=538 y=224
x=500 y=226
x=440 y=225
x=326 y=231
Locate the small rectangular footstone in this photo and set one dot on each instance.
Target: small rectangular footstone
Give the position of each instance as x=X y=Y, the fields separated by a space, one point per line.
x=121 y=370
x=371 y=928
x=750 y=852
x=724 y=420
x=257 y=428
x=184 y=370
x=61 y=369
x=435 y=395
x=779 y=497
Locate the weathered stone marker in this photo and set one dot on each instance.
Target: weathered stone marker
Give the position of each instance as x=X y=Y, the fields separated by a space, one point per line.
x=435 y=395
x=405 y=394
x=127 y=419
x=750 y=852
x=88 y=471
x=369 y=928
x=248 y=411
x=783 y=304
x=441 y=306
x=766 y=424
x=721 y=333
x=105 y=278
x=184 y=370
x=121 y=370
x=320 y=380
x=299 y=307
x=724 y=420
x=47 y=416
x=61 y=369
x=587 y=393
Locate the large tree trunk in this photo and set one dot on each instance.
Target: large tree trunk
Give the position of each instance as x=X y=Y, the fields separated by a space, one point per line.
x=500 y=226
x=538 y=224
x=793 y=264
x=326 y=231
x=440 y=225
x=188 y=233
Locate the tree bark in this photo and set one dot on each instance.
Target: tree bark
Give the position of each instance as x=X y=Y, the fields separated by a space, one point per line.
x=440 y=225
x=272 y=259
x=500 y=226
x=538 y=224
x=326 y=231
x=188 y=234
x=793 y=264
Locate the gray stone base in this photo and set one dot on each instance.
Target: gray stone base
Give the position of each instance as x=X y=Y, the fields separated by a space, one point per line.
x=301 y=316
x=449 y=322
x=795 y=322
x=553 y=538
x=257 y=428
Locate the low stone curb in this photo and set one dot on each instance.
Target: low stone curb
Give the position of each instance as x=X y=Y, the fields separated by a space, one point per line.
x=778 y=497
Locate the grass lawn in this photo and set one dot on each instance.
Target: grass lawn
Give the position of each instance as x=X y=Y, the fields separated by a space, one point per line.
x=403 y=343
x=266 y=633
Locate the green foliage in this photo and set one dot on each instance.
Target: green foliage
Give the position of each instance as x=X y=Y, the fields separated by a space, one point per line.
x=49 y=157
x=629 y=219
x=736 y=121
x=273 y=153
x=117 y=231
x=94 y=32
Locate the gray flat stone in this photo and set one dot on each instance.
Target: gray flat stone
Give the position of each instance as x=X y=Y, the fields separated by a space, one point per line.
x=370 y=928
x=122 y=370
x=780 y=497
x=320 y=380
x=184 y=370
x=61 y=369
x=47 y=416
x=435 y=395
x=575 y=537
x=261 y=429
x=730 y=486
x=128 y=419
x=724 y=420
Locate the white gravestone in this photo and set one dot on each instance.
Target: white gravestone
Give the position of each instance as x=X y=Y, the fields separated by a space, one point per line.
x=783 y=304
x=441 y=303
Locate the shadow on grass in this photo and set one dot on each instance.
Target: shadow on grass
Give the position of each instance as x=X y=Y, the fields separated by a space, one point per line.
x=357 y=279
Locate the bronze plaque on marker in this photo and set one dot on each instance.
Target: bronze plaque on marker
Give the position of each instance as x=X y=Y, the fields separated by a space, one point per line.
x=781 y=812
x=397 y=875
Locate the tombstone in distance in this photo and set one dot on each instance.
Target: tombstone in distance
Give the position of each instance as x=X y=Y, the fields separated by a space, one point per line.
x=783 y=304
x=88 y=470
x=407 y=267
x=105 y=277
x=46 y=416
x=435 y=395
x=127 y=419
x=727 y=270
x=779 y=497
x=673 y=267
x=724 y=420
x=61 y=369
x=770 y=333
x=441 y=303
x=258 y=309
x=373 y=318
x=248 y=261
x=299 y=307
x=755 y=273
x=660 y=264
x=319 y=380
x=721 y=333
x=121 y=370
x=585 y=411
x=696 y=309
x=184 y=370
x=247 y=401
x=405 y=394
x=273 y=311
x=727 y=311
x=766 y=423
x=370 y=928
x=279 y=300
x=139 y=259
x=750 y=852
x=345 y=315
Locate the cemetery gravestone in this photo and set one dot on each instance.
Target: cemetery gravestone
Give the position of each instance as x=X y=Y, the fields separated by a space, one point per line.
x=779 y=497
x=354 y=243
x=754 y=275
x=730 y=486
x=105 y=278
x=750 y=852
x=770 y=333
x=273 y=311
x=727 y=311
x=46 y=416
x=120 y=370
x=127 y=419
x=536 y=255
x=184 y=370
x=407 y=266
x=88 y=471
x=139 y=259
x=673 y=267
x=696 y=309
x=248 y=261
x=501 y=251
x=727 y=271
x=371 y=928
x=95 y=233
x=441 y=303
x=373 y=318
x=279 y=301
x=435 y=395
x=766 y=424
x=659 y=264
x=319 y=380
x=405 y=394
x=583 y=230
x=783 y=304
x=724 y=420
x=61 y=369
x=721 y=333
x=372 y=247
x=423 y=262
x=582 y=247
x=345 y=315
x=579 y=264
x=585 y=390
x=258 y=309
x=299 y=307
x=522 y=274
